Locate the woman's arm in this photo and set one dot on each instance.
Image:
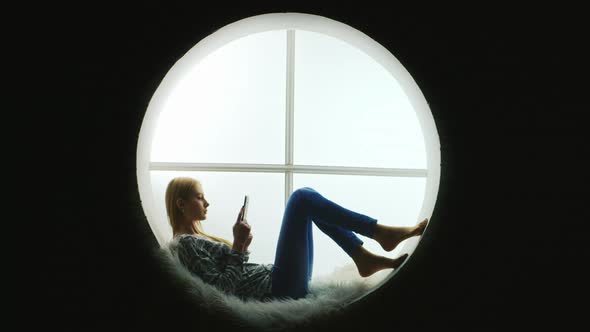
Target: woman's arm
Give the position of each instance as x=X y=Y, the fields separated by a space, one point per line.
x=244 y=246
x=220 y=268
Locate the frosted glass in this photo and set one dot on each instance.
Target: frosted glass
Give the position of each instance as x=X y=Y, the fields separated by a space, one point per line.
x=225 y=193
x=392 y=201
x=349 y=110
x=230 y=107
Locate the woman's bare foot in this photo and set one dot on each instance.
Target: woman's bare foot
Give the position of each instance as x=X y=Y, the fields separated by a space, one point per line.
x=390 y=236
x=368 y=263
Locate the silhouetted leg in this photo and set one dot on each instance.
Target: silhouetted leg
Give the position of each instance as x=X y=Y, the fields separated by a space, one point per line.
x=294 y=255
x=292 y=267
x=345 y=238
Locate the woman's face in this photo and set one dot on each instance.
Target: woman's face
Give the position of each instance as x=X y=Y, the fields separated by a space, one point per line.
x=195 y=207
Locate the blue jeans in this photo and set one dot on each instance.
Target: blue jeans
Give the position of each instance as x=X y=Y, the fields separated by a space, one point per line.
x=293 y=264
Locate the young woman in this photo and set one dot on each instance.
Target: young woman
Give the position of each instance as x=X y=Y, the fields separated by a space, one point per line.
x=225 y=264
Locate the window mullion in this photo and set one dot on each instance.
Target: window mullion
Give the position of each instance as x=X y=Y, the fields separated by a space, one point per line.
x=289 y=115
x=272 y=168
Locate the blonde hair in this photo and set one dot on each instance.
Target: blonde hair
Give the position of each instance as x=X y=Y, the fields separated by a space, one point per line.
x=182 y=187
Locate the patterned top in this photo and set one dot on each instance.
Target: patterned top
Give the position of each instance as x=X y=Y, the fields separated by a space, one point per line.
x=221 y=266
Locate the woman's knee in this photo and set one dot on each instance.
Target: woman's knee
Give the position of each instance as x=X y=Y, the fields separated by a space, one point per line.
x=305 y=192
x=301 y=195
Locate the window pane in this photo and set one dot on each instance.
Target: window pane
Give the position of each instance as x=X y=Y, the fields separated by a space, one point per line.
x=230 y=108
x=349 y=110
x=225 y=193
x=391 y=200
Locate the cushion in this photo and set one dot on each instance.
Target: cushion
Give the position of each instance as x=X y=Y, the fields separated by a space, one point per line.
x=327 y=294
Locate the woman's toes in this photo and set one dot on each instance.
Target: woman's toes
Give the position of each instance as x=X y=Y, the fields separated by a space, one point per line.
x=399 y=261
x=421 y=227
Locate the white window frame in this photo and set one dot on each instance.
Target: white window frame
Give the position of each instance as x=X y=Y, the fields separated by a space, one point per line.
x=289 y=22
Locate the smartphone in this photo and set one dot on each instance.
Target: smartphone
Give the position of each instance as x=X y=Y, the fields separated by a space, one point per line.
x=246 y=201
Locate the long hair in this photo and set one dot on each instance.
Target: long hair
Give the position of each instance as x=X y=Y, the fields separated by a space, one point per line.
x=182 y=187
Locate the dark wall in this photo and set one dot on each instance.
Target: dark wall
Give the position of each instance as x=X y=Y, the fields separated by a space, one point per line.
x=505 y=244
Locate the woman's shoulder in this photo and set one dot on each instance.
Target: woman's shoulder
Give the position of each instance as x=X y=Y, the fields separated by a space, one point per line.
x=196 y=239
x=189 y=237
x=184 y=235
x=192 y=243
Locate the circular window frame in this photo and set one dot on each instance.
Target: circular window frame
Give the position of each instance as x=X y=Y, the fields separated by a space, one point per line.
x=286 y=21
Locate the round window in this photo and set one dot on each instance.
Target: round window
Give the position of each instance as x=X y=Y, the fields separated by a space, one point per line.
x=276 y=102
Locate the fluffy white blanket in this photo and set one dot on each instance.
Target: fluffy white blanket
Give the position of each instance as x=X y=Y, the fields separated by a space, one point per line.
x=328 y=294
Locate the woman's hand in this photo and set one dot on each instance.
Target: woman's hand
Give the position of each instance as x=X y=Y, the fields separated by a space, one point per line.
x=242 y=234
x=248 y=241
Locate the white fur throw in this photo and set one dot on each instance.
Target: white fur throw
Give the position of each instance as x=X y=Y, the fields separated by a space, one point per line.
x=327 y=294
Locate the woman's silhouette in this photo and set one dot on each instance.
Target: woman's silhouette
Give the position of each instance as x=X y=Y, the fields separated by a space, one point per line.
x=224 y=264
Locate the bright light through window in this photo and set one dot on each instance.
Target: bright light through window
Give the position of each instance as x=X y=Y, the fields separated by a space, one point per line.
x=277 y=102
x=229 y=108
x=349 y=110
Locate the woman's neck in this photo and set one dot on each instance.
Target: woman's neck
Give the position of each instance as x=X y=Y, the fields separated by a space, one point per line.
x=191 y=230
